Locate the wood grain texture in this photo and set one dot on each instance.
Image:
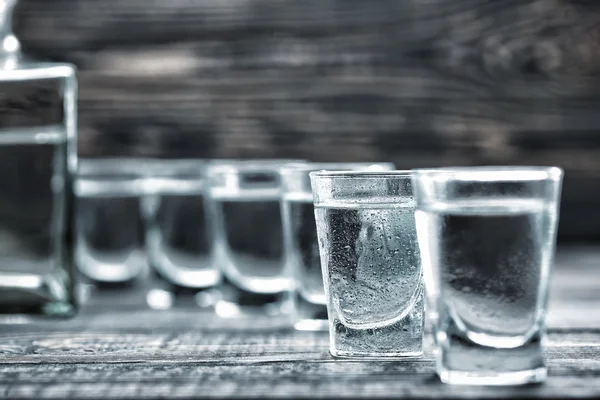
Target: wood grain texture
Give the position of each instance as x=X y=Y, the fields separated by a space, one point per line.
x=118 y=348
x=261 y=372
x=419 y=83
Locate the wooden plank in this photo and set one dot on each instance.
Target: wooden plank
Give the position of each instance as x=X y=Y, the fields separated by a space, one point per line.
x=418 y=83
x=115 y=348
x=258 y=369
x=235 y=347
x=401 y=386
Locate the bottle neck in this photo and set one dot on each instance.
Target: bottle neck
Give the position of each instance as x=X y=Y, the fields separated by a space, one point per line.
x=10 y=47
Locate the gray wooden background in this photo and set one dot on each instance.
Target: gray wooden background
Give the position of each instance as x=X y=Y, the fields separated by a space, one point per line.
x=416 y=82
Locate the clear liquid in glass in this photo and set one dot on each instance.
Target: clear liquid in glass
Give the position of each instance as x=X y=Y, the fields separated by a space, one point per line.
x=310 y=304
x=109 y=243
x=35 y=272
x=374 y=279
x=180 y=245
x=37 y=153
x=490 y=259
x=250 y=252
x=179 y=237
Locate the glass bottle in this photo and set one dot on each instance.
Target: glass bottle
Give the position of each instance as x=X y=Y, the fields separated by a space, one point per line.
x=38 y=157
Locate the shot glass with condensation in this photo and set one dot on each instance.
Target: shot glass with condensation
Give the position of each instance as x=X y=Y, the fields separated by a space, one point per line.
x=487 y=240
x=370 y=261
x=301 y=246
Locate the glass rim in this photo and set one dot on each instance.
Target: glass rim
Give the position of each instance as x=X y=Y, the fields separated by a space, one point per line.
x=492 y=173
x=177 y=167
x=114 y=166
x=296 y=168
x=362 y=174
x=236 y=166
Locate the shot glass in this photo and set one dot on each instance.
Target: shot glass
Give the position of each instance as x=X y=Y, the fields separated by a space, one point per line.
x=487 y=242
x=245 y=198
x=109 y=241
x=370 y=262
x=301 y=246
x=179 y=235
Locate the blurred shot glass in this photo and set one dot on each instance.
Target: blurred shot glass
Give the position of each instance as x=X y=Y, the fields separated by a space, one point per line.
x=487 y=241
x=108 y=220
x=179 y=234
x=301 y=246
x=370 y=261
x=245 y=199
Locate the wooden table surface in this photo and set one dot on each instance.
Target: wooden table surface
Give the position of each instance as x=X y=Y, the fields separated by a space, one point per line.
x=118 y=348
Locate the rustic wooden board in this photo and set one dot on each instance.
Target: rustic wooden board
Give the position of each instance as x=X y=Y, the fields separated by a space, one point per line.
x=185 y=365
x=419 y=83
x=117 y=348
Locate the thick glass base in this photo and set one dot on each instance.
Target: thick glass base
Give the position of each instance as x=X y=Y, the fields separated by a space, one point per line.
x=119 y=272
x=125 y=285
x=235 y=302
x=399 y=340
x=467 y=358
x=164 y=295
x=375 y=356
x=31 y=296
x=314 y=325
x=309 y=316
x=493 y=379
x=192 y=270
x=394 y=339
x=131 y=293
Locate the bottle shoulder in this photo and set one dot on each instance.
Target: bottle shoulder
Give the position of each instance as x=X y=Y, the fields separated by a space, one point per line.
x=26 y=69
